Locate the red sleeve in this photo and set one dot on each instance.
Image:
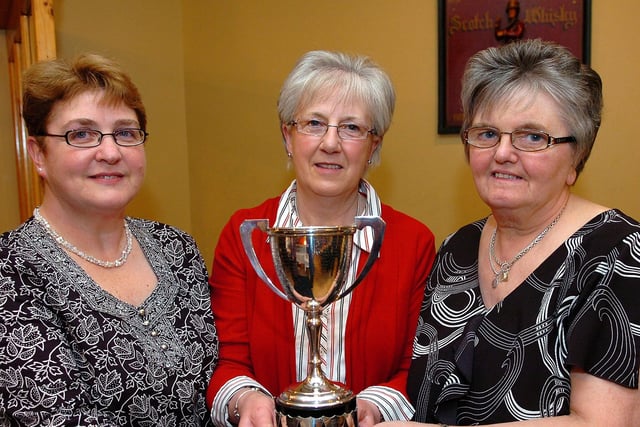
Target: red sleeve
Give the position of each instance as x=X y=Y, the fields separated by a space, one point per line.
x=243 y=306
x=229 y=308
x=386 y=305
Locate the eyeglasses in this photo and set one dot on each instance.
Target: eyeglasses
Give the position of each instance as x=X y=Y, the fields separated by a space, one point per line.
x=87 y=138
x=346 y=131
x=521 y=139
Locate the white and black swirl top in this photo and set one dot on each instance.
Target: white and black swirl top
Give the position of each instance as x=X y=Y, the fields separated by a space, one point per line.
x=579 y=308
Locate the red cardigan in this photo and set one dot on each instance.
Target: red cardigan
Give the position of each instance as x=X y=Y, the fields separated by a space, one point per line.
x=255 y=326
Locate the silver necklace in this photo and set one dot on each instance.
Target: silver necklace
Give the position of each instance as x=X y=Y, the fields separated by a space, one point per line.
x=502 y=274
x=62 y=242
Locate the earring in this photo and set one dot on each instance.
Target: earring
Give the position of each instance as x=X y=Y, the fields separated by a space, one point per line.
x=369 y=161
x=289 y=155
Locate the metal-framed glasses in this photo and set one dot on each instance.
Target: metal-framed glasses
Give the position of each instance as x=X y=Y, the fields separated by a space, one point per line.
x=87 y=138
x=346 y=131
x=521 y=139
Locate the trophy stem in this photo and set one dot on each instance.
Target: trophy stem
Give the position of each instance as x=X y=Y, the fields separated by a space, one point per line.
x=315 y=375
x=316 y=401
x=315 y=391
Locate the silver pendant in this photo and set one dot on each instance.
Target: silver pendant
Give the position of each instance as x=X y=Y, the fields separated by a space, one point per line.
x=501 y=276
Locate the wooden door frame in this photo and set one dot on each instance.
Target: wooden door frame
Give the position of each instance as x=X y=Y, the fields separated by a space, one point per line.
x=30 y=37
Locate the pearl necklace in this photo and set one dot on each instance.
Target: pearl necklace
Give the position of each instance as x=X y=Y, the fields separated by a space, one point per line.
x=62 y=242
x=502 y=274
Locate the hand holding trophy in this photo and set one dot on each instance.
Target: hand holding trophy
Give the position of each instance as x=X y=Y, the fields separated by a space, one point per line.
x=311 y=264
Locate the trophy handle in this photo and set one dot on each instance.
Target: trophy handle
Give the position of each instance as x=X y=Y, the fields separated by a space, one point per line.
x=378 y=225
x=246 y=230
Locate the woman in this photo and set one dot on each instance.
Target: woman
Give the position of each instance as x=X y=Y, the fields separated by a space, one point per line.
x=106 y=319
x=334 y=110
x=531 y=312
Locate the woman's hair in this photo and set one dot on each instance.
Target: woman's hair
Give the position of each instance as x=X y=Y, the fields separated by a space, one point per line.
x=48 y=82
x=350 y=78
x=501 y=74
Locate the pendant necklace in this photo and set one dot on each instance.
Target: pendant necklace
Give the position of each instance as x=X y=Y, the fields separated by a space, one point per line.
x=62 y=242
x=502 y=273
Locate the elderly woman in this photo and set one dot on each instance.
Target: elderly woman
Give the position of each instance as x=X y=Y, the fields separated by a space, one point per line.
x=106 y=319
x=334 y=111
x=532 y=312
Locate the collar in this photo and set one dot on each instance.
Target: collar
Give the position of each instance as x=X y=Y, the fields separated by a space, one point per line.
x=363 y=238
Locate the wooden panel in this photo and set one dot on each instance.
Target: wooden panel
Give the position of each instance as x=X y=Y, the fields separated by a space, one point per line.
x=23 y=164
x=10 y=11
x=32 y=40
x=5 y=7
x=44 y=40
x=10 y=18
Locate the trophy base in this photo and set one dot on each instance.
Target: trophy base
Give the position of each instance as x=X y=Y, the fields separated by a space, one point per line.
x=340 y=415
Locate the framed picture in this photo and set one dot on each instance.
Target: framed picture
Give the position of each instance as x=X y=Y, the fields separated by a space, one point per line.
x=467 y=26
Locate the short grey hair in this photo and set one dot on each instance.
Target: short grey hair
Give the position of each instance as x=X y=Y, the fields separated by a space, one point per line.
x=498 y=74
x=355 y=77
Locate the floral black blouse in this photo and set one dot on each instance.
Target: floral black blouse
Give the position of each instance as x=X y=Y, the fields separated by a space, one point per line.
x=73 y=354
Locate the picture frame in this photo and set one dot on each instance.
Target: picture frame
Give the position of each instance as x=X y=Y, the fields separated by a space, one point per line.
x=467 y=26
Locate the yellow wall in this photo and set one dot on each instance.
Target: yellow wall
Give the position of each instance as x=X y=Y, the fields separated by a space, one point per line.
x=210 y=72
x=146 y=37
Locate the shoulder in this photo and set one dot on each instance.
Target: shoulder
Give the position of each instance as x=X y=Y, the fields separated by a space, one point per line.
x=265 y=210
x=625 y=220
x=176 y=246
x=149 y=232
x=467 y=234
x=153 y=227
x=21 y=239
x=612 y=233
x=231 y=230
x=11 y=235
x=400 y=222
x=17 y=249
x=610 y=226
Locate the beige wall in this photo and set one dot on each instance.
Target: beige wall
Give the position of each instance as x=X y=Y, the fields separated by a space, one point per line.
x=146 y=37
x=210 y=71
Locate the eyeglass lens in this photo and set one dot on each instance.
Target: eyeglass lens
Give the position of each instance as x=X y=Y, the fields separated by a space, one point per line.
x=318 y=128
x=522 y=139
x=89 y=137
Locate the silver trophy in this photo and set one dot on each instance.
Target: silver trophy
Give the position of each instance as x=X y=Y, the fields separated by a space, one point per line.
x=312 y=265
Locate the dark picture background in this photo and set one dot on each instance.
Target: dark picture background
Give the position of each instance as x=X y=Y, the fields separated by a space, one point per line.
x=467 y=26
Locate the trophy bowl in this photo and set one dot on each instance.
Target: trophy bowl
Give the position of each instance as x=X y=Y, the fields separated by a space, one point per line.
x=312 y=265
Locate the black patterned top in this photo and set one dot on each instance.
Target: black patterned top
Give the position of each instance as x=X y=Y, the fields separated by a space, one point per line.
x=73 y=354
x=579 y=308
